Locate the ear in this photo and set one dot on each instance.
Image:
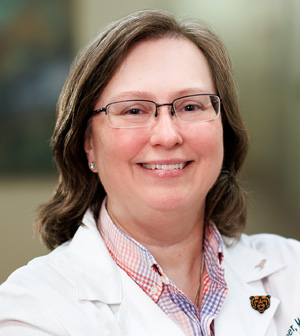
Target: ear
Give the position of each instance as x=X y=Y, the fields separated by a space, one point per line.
x=89 y=147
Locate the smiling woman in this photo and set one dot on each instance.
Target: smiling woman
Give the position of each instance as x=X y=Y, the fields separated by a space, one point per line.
x=147 y=217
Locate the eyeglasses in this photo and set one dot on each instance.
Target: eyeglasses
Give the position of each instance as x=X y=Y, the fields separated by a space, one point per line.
x=141 y=113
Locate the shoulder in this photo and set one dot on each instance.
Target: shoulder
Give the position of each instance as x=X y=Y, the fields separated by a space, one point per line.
x=40 y=271
x=25 y=296
x=50 y=294
x=53 y=268
x=278 y=247
x=260 y=255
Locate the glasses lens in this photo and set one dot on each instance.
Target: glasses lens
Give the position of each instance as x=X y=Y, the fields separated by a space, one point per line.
x=130 y=113
x=197 y=108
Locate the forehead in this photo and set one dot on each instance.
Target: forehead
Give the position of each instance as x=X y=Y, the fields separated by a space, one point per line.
x=161 y=67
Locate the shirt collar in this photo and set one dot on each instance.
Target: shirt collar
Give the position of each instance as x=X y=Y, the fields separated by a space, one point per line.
x=131 y=256
x=214 y=255
x=141 y=266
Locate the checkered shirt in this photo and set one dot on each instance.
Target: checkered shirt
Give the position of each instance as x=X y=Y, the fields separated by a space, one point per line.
x=141 y=266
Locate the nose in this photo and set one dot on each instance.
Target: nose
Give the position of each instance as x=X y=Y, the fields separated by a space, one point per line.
x=165 y=130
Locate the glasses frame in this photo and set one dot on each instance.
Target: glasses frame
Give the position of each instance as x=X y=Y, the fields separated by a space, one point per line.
x=173 y=110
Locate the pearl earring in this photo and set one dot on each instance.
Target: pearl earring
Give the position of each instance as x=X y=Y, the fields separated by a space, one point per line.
x=93 y=165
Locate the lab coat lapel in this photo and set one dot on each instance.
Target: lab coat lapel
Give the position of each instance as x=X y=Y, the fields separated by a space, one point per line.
x=237 y=317
x=140 y=315
x=98 y=278
x=244 y=269
x=97 y=275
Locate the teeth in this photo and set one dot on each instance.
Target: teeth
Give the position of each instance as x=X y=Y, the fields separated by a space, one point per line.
x=164 y=167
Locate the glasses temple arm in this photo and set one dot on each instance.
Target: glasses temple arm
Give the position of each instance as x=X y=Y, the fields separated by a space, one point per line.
x=99 y=111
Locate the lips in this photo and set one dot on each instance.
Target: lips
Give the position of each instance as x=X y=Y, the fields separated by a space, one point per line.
x=153 y=166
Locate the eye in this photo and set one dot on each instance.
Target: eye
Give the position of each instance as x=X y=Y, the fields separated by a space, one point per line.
x=133 y=111
x=191 y=107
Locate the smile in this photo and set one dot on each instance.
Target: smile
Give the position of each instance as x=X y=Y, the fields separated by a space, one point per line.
x=165 y=166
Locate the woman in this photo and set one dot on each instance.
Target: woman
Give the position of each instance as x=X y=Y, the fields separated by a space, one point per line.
x=146 y=221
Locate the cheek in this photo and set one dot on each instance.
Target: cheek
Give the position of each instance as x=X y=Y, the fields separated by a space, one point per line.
x=126 y=144
x=207 y=140
x=116 y=150
x=115 y=147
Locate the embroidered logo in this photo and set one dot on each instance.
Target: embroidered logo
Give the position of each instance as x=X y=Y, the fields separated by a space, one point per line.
x=260 y=303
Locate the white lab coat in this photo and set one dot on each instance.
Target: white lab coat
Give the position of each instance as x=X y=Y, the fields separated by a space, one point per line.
x=78 y=290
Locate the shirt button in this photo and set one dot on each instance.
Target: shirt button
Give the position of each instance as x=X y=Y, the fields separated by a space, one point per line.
x=165 y=280
x=154 y=290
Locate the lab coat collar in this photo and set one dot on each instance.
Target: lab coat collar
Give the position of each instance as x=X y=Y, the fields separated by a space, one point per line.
x=97 y=275
x=250 y=264
x=245 y=268
x=98 y=278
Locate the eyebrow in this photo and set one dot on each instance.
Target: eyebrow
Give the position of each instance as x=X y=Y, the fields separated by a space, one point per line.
x=147 y=95
x=130 y=95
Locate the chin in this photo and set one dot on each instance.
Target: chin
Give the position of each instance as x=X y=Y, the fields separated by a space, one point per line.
x=169 y=203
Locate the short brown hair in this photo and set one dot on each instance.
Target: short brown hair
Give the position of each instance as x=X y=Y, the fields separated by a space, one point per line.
x=78 y=188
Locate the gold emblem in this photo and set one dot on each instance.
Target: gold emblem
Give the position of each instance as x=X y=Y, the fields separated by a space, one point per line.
x=260 y=303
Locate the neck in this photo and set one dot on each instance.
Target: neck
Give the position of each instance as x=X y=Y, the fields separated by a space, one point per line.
x=174 y=238
x=159 y=228
x=181 y=261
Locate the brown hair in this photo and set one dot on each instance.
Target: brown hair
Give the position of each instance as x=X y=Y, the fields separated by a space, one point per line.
x=78 y=188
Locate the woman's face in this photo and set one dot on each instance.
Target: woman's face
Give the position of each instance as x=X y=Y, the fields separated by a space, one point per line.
x=158 y=70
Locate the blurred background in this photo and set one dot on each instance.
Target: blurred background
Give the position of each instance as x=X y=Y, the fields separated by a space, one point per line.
x=40 y=38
